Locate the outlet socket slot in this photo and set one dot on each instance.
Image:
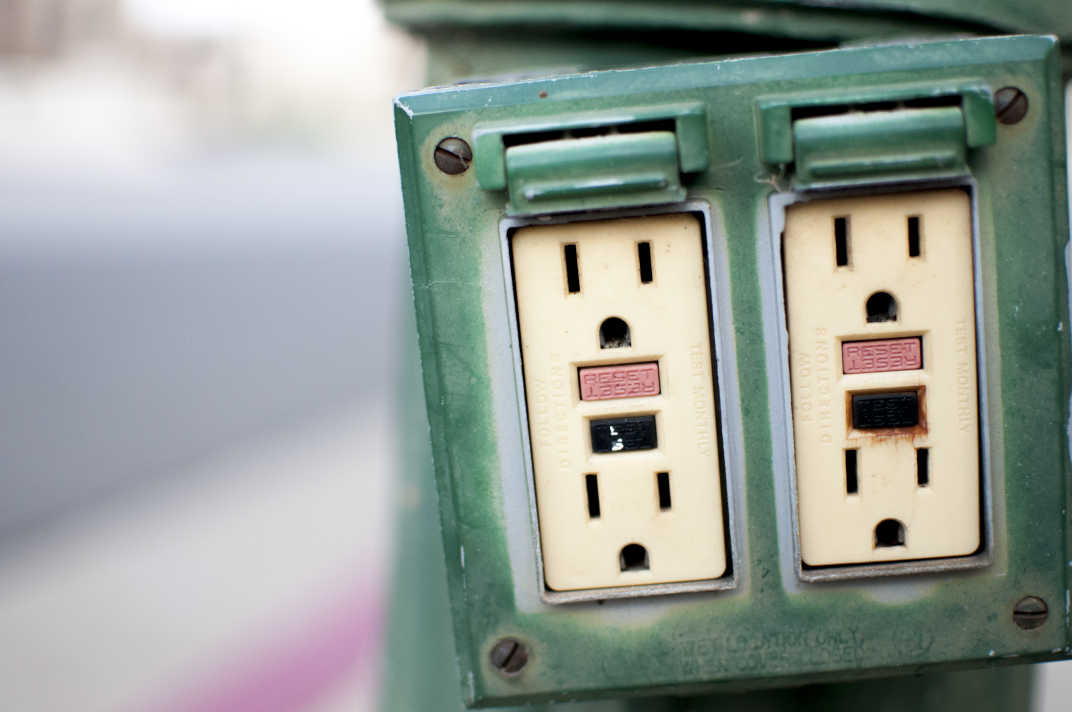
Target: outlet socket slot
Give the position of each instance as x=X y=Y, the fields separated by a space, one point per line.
x=729 y=430
x=781 y=399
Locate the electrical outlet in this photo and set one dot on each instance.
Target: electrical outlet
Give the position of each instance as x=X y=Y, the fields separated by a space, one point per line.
x=955 y=411
x=616 y=353
x=879 y=296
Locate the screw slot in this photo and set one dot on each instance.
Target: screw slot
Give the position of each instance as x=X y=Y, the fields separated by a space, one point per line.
x=509 y=656
x=1030 y=612
x=1010 y=105
x=453 y=156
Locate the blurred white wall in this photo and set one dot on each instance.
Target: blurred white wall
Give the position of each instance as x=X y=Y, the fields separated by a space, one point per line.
x=201 y=268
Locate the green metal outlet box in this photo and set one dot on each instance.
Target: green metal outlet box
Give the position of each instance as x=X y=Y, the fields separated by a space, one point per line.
x=733 y=142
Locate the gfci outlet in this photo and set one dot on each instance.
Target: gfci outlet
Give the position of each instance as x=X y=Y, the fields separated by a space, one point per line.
x=781 y=340
x=880 y=308
x=616 y=353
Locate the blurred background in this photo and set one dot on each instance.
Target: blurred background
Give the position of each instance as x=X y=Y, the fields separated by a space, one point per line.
x=201 y=281
x=201 y=288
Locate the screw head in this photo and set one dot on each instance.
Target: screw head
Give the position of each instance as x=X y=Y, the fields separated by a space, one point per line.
x=1010 y=105
x=1030 y=612
x=509 y=656
x=453 y=156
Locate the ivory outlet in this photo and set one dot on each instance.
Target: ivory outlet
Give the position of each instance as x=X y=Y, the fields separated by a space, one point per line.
x=616 y=354
x=881 y=316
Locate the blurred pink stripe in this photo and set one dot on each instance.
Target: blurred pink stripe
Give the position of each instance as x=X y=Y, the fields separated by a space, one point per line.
x=297 y=670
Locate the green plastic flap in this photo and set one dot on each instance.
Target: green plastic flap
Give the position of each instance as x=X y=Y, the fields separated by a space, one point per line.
x=600 y=171
x=876 y=145
x=596 y=159
x=835 y=138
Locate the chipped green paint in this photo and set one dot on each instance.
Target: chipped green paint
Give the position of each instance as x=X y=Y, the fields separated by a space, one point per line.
x=773 y=630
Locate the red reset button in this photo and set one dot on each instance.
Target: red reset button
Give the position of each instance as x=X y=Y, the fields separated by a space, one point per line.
x=631 y=380
x=881 y=355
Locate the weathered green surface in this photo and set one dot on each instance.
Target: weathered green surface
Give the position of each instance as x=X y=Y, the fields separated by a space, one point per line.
x=838 y=19
x=773 y=630
x=492 y=54
x=480 y=38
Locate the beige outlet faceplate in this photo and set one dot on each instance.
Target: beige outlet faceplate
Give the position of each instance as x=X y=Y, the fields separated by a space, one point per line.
x=669 y=325
x=938 y=510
